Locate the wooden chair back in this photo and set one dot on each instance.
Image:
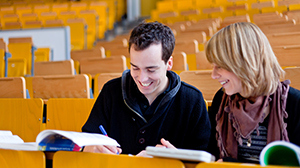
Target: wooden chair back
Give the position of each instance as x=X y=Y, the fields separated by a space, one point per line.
x=21 y=48
x=179 y=62
x=101 y=78
x=97 y=52
x=189 y=47
x=293 y=75
x=183 y=37
x=61 y=86
x=64 y=159
x=201 y=61
x=284 y=39
x=23 y=117
x=203 y=81
x=280 y=28
x=12 y=87
x=54 y=68
x=94 y=66
x=68 y=113
x=287 y=55
x=233 y=19
x=25 y=159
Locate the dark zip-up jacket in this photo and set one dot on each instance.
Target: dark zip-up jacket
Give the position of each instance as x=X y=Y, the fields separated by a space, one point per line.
x=180 y=117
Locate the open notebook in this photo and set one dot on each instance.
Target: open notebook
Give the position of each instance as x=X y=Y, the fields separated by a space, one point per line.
x=54 y=140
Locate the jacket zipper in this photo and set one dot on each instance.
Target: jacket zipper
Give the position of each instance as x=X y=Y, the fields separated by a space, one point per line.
x=135 y=112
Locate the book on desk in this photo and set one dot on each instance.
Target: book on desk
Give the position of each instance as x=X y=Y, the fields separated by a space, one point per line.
x=55 y=140
x=181 y=154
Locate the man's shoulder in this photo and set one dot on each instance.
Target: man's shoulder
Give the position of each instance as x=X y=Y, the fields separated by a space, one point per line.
x=293 y=96
x=113 y=82
x=189 y=87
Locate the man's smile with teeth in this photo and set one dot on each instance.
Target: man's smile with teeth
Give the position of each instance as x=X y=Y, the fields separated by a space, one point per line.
x=145 y=84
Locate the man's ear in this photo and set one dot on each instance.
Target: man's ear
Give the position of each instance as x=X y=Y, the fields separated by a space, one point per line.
x=170 y=63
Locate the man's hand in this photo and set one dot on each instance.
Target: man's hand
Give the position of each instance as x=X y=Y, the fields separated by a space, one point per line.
x=164 y=144
x=102 y=149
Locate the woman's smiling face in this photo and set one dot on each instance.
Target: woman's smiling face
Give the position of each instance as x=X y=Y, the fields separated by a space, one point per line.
x=229 y=81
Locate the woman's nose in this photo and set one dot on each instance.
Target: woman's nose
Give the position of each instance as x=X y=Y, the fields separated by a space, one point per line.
x=215 y=74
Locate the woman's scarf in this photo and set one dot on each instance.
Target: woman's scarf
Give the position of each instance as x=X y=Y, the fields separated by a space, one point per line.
x=237 y=118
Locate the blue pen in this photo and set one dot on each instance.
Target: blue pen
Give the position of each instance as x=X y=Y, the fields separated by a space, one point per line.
x=104 y=132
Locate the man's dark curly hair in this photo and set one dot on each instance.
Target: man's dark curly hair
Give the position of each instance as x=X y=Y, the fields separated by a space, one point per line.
x=146 y=34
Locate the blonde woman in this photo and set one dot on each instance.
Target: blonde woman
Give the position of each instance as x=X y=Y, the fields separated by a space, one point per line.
x=253 y=108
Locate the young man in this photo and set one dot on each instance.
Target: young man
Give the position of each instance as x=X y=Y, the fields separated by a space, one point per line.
x=149 y=103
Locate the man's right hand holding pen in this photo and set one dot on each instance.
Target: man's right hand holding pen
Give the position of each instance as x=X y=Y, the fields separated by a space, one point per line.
x=116 y=150
x=103 y=148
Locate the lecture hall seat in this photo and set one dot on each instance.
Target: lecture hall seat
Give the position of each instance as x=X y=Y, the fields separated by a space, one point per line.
x=23 y=117
x=202 y=80
x=24 y=159
x=45 y=68
x=61 y=86
x=12 y=87
x=68 y=113
x=63 y=159
x=100 y=79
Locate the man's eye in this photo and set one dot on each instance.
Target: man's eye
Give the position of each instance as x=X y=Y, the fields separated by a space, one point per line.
x=149 y=70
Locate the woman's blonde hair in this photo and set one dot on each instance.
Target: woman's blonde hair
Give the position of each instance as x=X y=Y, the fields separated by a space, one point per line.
x=242 y=48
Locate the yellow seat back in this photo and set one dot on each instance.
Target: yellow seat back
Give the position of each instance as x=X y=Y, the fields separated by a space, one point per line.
x=24 y=159
x=293 y=75
x=102 y=11
x=12 y=87
x=2 y=65
x=91 y=18
x=42 y=54
x=100 y=79
x=65 y=67
x=16 y=67
x=23 y=117
x=21 y=48
x=61 y=86
x=68 y=113
x=116 y=64
x=62 y=159
x=202 y=80
x=78 y=33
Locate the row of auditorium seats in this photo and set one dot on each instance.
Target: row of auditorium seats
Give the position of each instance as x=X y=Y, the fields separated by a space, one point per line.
x=79 y=86
x=19 y=56
x=182 y=10
x=67 y=159
x=28 y=117
x=85 y=27
x=105 y=8
x=71 y=113
x=88 y=20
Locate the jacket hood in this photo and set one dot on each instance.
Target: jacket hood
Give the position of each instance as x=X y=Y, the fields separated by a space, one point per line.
x=128 y=86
